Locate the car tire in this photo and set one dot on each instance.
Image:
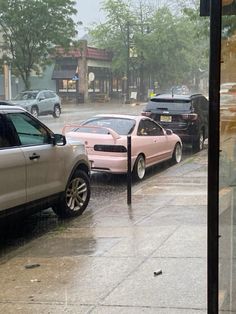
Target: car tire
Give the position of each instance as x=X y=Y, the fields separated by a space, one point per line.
x=198 y=144
x=177 y=154
x=56 y=111
x=34 y=111
x=75 y=199
x=139 y=169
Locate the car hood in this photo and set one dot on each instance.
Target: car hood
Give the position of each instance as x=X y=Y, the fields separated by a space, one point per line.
x=23 y=103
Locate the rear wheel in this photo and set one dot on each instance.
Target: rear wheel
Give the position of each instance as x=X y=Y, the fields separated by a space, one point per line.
x=177 y=154
x=56 y=111
x=139 y=168
x=198 y=144
x=35 y=112
x=76 y=196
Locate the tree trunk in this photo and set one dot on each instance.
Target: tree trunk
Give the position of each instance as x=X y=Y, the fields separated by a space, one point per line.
x=25 y=77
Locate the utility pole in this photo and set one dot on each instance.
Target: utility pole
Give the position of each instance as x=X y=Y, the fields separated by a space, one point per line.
x=142 y=87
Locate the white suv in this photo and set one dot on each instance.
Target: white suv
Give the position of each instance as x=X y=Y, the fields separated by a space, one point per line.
x=38 y=169
x=39 y=102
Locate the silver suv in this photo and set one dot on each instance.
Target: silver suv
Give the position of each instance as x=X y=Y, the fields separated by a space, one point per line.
x=39 y=102
x=39 y=169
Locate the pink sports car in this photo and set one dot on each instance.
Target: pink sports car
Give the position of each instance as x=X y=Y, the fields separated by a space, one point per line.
x=105 y=138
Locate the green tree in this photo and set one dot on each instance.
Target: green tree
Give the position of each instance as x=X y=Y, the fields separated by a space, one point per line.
x=125 y=25
x=112 y=35
x=171 y=52
x=198 y=28
x=32 y=29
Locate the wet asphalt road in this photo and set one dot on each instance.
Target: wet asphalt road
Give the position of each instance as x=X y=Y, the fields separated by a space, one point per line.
x=104 y=187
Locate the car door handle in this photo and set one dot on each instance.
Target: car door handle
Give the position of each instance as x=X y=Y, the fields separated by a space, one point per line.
x=34 y=156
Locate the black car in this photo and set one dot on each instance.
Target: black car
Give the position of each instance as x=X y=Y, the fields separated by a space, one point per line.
x=186 y=115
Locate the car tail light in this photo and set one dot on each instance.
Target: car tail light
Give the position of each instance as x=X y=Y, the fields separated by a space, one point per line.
x=110 y=148
x=190 y=116
x=146 y=113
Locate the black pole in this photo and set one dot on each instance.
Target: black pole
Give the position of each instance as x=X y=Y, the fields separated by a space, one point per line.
x=213 y=160
x=127 y=65
x=129 y=171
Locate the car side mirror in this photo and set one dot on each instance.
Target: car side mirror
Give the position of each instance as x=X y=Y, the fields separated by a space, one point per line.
x=59 y=139
x=169 y=132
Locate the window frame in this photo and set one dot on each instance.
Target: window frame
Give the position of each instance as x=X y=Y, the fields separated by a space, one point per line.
x=42 y=126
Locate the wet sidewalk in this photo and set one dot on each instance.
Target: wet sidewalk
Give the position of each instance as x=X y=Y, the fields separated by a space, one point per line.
x=148 y=258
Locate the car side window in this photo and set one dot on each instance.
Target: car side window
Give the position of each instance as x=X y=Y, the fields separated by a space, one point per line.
x=6 y=135
x=47 y=95
x=30 y=131
x=51 y=95
x=149 y=128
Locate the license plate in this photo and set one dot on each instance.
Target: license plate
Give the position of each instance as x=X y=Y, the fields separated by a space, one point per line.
x=166 y=118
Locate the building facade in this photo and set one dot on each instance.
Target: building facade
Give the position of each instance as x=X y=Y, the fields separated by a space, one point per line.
x=83 y=74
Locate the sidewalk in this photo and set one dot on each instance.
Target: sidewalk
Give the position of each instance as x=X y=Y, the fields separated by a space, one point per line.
x=105 y=261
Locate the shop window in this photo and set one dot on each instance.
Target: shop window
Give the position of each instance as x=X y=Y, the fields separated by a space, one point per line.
x=68 y=86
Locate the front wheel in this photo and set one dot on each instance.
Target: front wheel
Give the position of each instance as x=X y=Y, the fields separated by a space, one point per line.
x=177 y=154
x=139 y=168
x=76 y=196
x=56 y=111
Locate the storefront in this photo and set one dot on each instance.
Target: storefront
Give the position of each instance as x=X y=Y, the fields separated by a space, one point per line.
x=83 y=74
x=222 y=157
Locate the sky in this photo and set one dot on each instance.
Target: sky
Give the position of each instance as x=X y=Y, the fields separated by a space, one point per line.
x=88 y=13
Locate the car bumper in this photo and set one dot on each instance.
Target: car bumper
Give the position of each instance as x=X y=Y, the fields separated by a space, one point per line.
x=188 y=138
x=112 y=165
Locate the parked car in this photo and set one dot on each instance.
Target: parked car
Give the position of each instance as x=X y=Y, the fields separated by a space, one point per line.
x=185 y=115
x=38 y=168
x=5 y=103
x=39 y=102
x=105 y=138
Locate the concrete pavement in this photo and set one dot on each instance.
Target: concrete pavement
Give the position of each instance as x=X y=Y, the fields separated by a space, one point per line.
x=105 y=261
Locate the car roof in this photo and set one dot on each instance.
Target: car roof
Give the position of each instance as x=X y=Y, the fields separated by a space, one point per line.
x=176 y=96
x=36 y=90
x=9 y=108
x=6 y=103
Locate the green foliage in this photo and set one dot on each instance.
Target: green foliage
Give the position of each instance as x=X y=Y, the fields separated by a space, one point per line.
x=170 y=47
x=31 y=30
x=112 y=35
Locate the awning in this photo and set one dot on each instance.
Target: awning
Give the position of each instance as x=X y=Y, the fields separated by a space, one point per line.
x=63 y=74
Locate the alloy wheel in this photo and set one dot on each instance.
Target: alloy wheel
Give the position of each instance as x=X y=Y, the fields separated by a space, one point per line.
x=141 y=167
x=76 y=194
x=178 y=153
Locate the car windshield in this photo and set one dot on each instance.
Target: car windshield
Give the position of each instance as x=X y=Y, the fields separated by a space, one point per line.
x=122 y=126
x=168 y=104
x=26 y=96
